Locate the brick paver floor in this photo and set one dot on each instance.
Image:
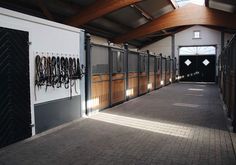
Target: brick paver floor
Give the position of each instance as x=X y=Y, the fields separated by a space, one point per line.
x=178 y=124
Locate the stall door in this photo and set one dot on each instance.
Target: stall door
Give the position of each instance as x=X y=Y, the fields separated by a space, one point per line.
x=163 y=71
x=133 y=75
x=151 y=85
x=198 y=68
x=143 y=74
x=15 y=115
x=118 y=76
x=168 y=67
x=99 y=78
x=158 y=73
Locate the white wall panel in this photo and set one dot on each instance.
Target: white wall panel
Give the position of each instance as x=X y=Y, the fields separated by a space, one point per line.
x=47 y=38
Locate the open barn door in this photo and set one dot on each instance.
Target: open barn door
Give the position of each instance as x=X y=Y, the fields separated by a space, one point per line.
x=198 y=64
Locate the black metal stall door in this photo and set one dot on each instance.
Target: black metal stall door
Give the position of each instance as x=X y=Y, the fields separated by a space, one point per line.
x=15 y=115
x=198 y=68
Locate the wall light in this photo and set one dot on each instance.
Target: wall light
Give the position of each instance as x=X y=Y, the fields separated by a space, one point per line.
x=170 y=79
x=162 y=82
x=149 y=86
x=130 y=92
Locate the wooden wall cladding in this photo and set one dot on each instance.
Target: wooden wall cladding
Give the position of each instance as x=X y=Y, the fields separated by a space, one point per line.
x=133 y=84
x=118 y=88
x=143 y=83
x=100 y=91
x=152 y=80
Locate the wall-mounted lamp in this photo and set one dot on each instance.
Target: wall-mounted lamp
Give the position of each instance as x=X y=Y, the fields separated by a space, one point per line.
x=162 y=82
x=149 y=86
x=130 y=92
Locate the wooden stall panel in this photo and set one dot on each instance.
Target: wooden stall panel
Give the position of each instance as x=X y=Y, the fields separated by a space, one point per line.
x=158 y=73
x=158 y=80
x=167 y=80
x=133 y=85
x=151 y=81
x=143 y=83
x=100 y=92
x=118 y=88
x=163 y=70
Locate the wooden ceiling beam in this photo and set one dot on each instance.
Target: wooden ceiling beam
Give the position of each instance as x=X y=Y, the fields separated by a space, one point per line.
x=98 y=9
x=188 y=15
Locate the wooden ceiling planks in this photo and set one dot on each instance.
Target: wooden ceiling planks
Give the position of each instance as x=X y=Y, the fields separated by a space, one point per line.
x=188 y=15
x=98 y=9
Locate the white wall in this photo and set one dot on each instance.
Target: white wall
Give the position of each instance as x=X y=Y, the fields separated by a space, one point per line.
x=163 y=46
x=49 y=39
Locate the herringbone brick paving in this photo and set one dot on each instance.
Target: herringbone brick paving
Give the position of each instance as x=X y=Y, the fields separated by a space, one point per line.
x=178 y=124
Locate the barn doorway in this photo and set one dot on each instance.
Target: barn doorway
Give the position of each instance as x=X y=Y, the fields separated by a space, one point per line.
x=197 y=63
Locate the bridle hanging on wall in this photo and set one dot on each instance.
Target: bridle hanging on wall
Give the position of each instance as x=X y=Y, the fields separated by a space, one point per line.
x=55 y=71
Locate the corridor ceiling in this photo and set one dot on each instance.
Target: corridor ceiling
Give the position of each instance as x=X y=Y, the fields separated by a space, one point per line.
x=114 y=19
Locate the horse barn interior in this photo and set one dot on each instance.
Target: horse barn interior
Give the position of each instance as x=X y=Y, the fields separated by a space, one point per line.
x=117 y=82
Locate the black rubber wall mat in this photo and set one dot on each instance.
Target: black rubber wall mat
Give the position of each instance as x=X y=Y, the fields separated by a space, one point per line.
x=15 y=114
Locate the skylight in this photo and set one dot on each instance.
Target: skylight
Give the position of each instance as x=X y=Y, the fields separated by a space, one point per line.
x=184 y=2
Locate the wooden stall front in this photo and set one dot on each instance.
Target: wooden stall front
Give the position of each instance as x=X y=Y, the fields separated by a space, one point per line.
x=158 y=72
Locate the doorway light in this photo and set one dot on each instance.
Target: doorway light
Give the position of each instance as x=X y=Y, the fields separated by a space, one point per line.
x=161 y=127
x=185 y=2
